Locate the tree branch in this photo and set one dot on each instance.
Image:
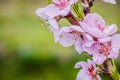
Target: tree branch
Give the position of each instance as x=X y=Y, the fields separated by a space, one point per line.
x=72 y=19
x=87 y=4
x=108 y=67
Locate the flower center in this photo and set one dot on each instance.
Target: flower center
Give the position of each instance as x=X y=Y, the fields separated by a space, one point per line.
x=105 y=49
x=61 y=3
x=92 y=71
x=75 y=32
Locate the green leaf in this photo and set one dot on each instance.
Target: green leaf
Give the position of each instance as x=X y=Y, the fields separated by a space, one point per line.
x=78 y=10
x=115 y=74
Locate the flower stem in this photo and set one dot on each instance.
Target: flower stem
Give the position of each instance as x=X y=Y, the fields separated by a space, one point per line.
x=115 y=73
x=110 y=70
x=72 y=19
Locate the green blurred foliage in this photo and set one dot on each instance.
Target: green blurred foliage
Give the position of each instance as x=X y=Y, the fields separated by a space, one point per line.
x=27 y=48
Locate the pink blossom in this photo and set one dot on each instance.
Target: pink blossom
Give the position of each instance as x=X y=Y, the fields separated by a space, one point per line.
x=88 y=71
x=94 y=25
x=71 y=36
x=108 y=49
x=59 y=8
x=74 y=35
x=56 y=35
x=54 y=27
x=110 y=1
x=102 y=48
x=53 y=24
x=84 y=41
x=64 y=6
x=49 y=16
x=48 y=12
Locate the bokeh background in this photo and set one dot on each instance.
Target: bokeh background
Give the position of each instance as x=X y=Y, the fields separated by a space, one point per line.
x=27 y=48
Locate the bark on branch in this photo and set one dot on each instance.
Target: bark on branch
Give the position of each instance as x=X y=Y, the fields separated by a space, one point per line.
x=87 y=4
x=72 y=19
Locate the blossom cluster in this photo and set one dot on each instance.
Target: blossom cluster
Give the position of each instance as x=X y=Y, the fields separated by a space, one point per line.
x=92 y=35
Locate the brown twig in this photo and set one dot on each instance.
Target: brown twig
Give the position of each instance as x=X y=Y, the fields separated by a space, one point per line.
x=108 y=67
x=72 y=19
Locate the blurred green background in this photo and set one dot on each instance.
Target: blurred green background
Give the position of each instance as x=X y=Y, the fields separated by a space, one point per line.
x=27 y=48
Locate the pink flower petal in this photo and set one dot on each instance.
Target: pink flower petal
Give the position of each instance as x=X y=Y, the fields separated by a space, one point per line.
x=53 y=24
x=88 y=71
x=116 y=50
x=48 y=12
x=87 y=40
x=92 y=49
x=110 y=29
x=52 y=10
x=89 y=50
x=40 y=12
x=113 y=54
x=65 y=11
x=67 y=39
x=99 y=58
x=78 y=46
x=83 y=75
x=77 y=28
x=73 y=1
x=66 y=29
x=116 y=41
x=94 y=20
x=91 y=63
x=104 y=39
x=92 y=31
x=56 y=35
x=82 y=64
x=110 y=1
x=69 y=35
